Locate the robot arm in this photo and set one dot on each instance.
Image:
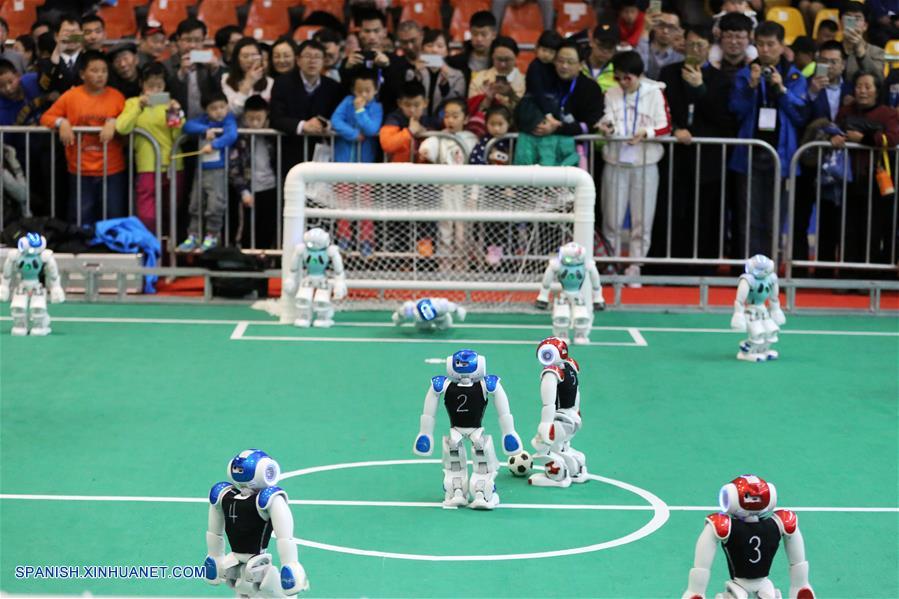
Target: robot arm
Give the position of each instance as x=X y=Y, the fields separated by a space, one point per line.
x=548 y=388
x=599 y=303
x=511 y=440
x=217 y=563
x=738 y=321
x=777 y=314
x=706 y=546
x=403 y=313
x=51 y=270
x=292 y=282
x=549 y=275
x=7 y=274
x=293 y=576
x=339 y=281
x=424 y=442
x=795 y=547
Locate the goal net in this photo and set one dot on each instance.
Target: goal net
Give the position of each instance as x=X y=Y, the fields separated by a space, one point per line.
x=477 y=234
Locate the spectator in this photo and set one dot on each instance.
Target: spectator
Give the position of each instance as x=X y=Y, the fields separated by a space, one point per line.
x=836 y=89
x=475 y=55
x=635 y=110
x=284 y=57
x=501 y=84
x=152 y=44
x=372 y=32
x=403 y=64
x=94 y=30
x=828 y=31
x=498 y=8
x=225 y=40
x=125 y=75
x=39 y=28
x=331 y=41
x=189 y=81
x=577 y=100
x=209 y=195
x=862 y=55
x=656 y=50
x=630 y=22
x=810 y=9
x=598 y=65
x=768 y=99
x=45 y=46
x=246 y=76
x=545 y=150
x=734 y=50
x=21 y=98
x=92 y=104
x=883 y=15
x=255 y=180
x=403 y=125
x=60 y=71
x=735 y=6
x=541 y=73
x=302 y=101
x=499 y=121
x=804 y=50
x=163 y=122
x=27 y=47
x=7 y=54
x=440 y=82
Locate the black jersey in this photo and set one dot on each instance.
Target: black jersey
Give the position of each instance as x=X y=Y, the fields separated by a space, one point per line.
x=750 y=548
x=566 y=390
x=247 y=531
x=465 y=405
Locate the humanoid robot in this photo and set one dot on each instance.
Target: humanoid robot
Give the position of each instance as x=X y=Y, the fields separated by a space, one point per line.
x=465 y=392
x=749 y=533
x=574 y=305
x=308 y=279
x=247 y=509
x=29 y=299
x=429 y=313
x=560 y=418
x=758 y=284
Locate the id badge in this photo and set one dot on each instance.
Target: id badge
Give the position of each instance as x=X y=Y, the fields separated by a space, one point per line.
x=214 y=156
x=627 y=154
x=767 y=119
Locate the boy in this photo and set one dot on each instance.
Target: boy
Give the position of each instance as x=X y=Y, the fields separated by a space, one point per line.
x=210 y=182
x=476 y=53
x=403 y=125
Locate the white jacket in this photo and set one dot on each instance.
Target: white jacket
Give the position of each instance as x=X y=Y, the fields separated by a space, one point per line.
x=441 y=150
x=652 y=115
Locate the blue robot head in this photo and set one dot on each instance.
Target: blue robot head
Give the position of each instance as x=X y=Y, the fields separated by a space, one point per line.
x=465 y=361
x=32 y=243
x=426 y=310
x=253 y=469
x=759 y=266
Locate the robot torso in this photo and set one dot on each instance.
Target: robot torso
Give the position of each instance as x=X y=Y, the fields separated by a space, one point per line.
x=566 y=390
x=751 y=546
x=247 y=531
x=572 y=277
x=759 y=289
x=317 y=262
x=29 y=266
x=465 y=405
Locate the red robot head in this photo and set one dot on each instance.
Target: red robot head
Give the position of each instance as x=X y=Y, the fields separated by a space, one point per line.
x=747 y=495
x=551 y=351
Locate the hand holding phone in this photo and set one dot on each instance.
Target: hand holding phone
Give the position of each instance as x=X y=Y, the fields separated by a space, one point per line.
x=433 y=61
x=201 y=56
x=822 y=70
x=159 y=99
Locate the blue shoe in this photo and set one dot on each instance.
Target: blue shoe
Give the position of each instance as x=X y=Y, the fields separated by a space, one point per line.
x=209 y=242
x=189 y=244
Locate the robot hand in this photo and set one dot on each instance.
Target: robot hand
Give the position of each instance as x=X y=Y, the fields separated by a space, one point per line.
x=57 y=295
x=424 y=445
x=290 y=287
x=461 y=313
x=599 y=305
x=738 y=322
x=396 y=318
x=293 y=578
x=545 y=432
x=541 y=304
x=512 y=444
x=4 y=292
x=777 y=315
x=805 y=592
x=215 y=569
x=339 y=289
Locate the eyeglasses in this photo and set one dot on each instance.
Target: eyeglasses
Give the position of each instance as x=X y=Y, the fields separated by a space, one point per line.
x=568 y=61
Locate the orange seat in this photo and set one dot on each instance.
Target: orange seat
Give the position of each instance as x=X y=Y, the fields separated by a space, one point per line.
x=462 y=12
x=424 y=12
x=305 y=32
x=168 y=13
x=828 y=14
x=523 y=23
x=217 y=14
x=524 y=59
x=572 y=17
x=268 y=19
x=119 y=19
x=791 y=20
x=20 y=15
x=332 y=7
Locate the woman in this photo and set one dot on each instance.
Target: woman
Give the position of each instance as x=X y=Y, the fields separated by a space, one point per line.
x=443 y=82
x=501 y=84
x=284 y=56
x=867 y=121
x=246 y=75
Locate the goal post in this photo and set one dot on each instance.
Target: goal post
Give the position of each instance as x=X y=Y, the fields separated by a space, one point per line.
x=480 y=234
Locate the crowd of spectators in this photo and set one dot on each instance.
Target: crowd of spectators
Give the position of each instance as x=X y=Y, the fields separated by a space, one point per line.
x=647 y=70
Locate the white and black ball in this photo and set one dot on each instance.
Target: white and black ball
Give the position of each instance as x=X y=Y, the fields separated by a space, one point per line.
x=520 y=465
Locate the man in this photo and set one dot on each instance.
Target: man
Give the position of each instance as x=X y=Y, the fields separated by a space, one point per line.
x=735 y=49
x=94 y=30
x=475 y=55
x=332 y=42
x=152 y=44
x=372 y=32
x=862 y=56
x=303 y=102
x=39 y=28
x=884 y=14
x=124 y=75
x=188 y=80
x=578 y=99
x=603 y=46
x=8 y=54
x=769 y=100
x=225 y=40
x=656 y=50
x=403 y=65
x=60 y=71
x=828 y=31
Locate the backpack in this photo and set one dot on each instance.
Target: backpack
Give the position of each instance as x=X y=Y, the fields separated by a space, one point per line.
x=232 y=259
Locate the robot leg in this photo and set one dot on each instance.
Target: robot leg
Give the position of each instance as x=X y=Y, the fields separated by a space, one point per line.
x=576 y=462
x=40 y=319
x=19 y=311
x=324 y=311
x=559 y=467
x=755 y=348
x=733 y=591
x=583 y=321
x=455 y=470
x=304 y=306
x=561 y=319
x=483 y=472
x=259 y=571
x=771 y=330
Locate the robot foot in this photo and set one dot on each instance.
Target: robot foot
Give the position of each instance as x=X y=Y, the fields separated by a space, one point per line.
x=580 y=477
x=19 y=331
x=772 y=354
x=581 y=340
x=748 y=357
x=458 y=499
x=541 y=480
x=303 y=323
x=479 y=503
x=323 y=324
x=40 y=331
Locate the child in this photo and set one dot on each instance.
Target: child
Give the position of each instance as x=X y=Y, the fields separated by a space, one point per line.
x=403 y=125
x=255 y=181
x=541 y=74
x=356 y=122
x=210 y=185
x=163 y=121
x=91 y=104
x=545 y=150
x=630 y=22
x=499 y=121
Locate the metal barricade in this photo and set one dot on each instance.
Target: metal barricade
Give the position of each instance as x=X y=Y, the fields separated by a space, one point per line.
x=848 y=203
x=5 y=132
x=466 y=153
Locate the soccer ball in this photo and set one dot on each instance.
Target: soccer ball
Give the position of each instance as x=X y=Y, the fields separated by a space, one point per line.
x=520 y=465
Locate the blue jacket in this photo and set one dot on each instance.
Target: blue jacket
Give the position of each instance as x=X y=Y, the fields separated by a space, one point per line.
x=820 y=109
x=225 y=139
x=348 y=123
x=792 y=115
x=129 y=236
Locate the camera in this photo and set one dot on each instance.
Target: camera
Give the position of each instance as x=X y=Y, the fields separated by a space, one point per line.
x=767 y=72
x=368 y=59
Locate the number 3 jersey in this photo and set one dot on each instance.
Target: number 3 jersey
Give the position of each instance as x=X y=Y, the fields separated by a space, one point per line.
x=751 y=546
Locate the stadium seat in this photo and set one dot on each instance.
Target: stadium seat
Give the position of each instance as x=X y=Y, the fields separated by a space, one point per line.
x=268 y=19
x=791 y=20
x=523 y=23
x=424 y=12
x=462 y=11
x=19 y=14
x=891 y=50
x=305 y=32
x=525 y=57
x=777 y=3
x=168 y=13
x=828 y=14
x=217 y=14
x=119 y=19
x=332 y=7
x=572 y=17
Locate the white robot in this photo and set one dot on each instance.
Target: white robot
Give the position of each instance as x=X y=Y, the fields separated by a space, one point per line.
x=308 y=279
x=750 y=534
x=560 y=418
x=29 y=300
x=758 y=284
x=574 y=305
x=465 y=392
x=429 y=313
x=247 y=509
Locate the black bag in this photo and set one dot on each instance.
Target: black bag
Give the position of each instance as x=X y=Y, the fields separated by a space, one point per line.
x=232 y=259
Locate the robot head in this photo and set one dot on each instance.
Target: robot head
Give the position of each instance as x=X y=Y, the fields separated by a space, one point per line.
x=572 y=254
x=466 y=364
x=552 y=351
x=426 y=310
x=759 y=266
x=316 y=239
x=253 y=469
x=747 y=495
x=32 y=243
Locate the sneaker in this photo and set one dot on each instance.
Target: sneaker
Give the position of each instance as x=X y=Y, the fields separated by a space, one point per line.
x=209 y=242
x=189 y=244
x=633 y=271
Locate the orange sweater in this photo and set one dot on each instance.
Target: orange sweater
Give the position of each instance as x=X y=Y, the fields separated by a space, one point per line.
x=396 y=142
x=85 y=110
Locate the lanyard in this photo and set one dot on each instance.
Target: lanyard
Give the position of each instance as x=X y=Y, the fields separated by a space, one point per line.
x=636 y=105
x=570 y=90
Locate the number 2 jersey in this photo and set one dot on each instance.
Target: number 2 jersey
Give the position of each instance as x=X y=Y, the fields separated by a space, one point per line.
x=465 y=405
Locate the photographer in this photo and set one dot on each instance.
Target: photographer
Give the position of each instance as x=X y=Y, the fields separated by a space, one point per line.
x=863 y=57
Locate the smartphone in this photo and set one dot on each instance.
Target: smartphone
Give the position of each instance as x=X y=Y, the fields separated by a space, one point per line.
x=432 y=60
x=201 y=56
x=655 y=6
x=75 y=37
x=692 y=61
x=501 y=78
x=850 y=22
x=159 y=99
x=821 y=70
x=325 y=122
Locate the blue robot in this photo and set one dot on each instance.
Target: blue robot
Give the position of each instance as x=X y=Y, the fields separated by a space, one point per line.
x=429 y=313
x=574 y=305
x=29 y=300
x=757 y=286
